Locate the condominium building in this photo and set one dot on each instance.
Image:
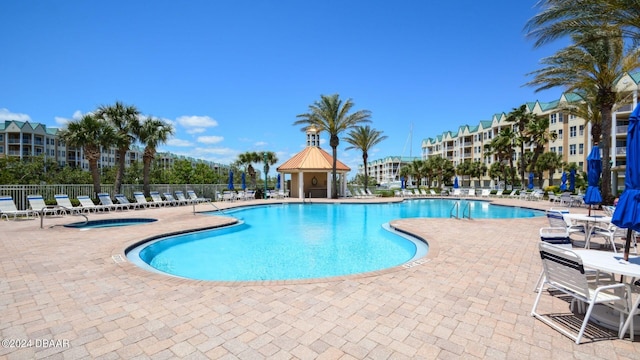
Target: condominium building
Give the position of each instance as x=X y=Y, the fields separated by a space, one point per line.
x=386 y=171
x=24 y=139
x=572 y=142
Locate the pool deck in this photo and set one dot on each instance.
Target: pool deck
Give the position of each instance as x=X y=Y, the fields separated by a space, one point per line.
x=469 y=298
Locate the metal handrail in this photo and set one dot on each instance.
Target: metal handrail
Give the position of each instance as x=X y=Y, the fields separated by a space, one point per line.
x=456 y=206
x=41 y=213
x=212 y=204
x=468 y=207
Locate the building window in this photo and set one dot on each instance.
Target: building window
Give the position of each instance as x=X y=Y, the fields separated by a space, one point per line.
x=572 y=131
x=581 y=132
x=560 y=150
x=559 y=134
x=1 y=137
x=552 y=149
x=581 y=149
x=554 y=118
x=572 y=149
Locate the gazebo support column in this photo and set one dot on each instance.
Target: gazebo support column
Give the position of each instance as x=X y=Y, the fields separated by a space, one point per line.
x=329 y=184
x=301 y=185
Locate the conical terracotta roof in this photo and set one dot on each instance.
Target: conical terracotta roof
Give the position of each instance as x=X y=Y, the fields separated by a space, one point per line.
x=312 y=158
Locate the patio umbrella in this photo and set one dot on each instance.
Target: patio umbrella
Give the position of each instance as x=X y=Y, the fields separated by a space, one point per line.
x=244 y=181
x=530 y=185
x=572 y=180
x=230 y=185
x=278 y=182
x=563 y=186
x=455 y=183
x=402 y=183
x=594 y=169
x=627 y=213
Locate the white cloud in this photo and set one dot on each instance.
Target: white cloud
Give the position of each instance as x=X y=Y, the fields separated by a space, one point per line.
x=260 y=143
x=196 y=131
x=179 y=142
x=210 y=139
x=215 y=151
x=77 y=115
x=196 y=121
x=5 y=114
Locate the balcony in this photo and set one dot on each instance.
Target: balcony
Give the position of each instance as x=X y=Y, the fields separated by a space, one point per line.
x=621 y=129
x=625 y=108
x=621 y=151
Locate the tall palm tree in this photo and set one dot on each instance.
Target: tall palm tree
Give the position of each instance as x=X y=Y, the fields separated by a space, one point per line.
x=595 y=60
x=560 y=18
x=521 y=117
x=364 y=138
x=330 y=114
x=502 y=147
x=539 y=134
x=90 y=134
x=151 y=133
x=124 y=119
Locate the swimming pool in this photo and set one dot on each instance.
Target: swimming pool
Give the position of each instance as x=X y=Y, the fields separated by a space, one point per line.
x=93 y=224
x=298 y=241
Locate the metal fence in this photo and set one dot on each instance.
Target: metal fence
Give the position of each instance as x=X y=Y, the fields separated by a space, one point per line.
x=19 y=192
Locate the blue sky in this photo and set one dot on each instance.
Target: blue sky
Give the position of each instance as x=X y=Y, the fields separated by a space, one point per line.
x=231 y=76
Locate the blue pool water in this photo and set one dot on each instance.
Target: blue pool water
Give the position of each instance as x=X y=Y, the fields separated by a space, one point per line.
x=109 y=223
x=297 y=241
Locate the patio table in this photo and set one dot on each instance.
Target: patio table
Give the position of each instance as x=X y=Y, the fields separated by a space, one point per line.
x=613 y=263
x=590 y=222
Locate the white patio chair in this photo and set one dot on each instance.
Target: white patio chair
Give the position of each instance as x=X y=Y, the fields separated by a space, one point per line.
x=557 y=219
x=8 y=207
x=105 y=200
x=122 y=200
x=37 y=204
x=498 y=193
x=88 y=205
x=564 y=271
x=611 y=233
x=64 y=201
x=142 y=200
x=471 y=193
x=485 y=193
x=156 y=198
x=182 y=199
x=194 y=197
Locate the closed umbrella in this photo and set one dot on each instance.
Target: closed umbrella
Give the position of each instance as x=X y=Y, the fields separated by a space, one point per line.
x=594 y=169
x=530 y=185
x=627 y=213
x=572 y=180
x=402 y=183
x=230 y=185
x=455 y=183
x=563 y=186
x=278 y=182
x=244 y=181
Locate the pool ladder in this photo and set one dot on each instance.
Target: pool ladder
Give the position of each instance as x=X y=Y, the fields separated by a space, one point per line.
x=455 y=211
x=214 y=206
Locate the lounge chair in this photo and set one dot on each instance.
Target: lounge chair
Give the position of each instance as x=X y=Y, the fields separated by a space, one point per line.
x=485 y=193
x=141 y=200
x=557 y=219
x=457 y=192
x=194 y=197
x=105 y=201
x=8 y=208
x=498 y=193
x=122 y=200
x=471 y=193
x=512 y=195
x=157 y=199
x=564 y=271
x=64 y=201
x=432 y=192
x=88 y=205
x=37 y=204
x=182 y=198
x=370 y=194
x=172 y=199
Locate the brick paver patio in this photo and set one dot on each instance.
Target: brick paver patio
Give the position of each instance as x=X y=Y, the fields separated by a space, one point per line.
x=470 y=298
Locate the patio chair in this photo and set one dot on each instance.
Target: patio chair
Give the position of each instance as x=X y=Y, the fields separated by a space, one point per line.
x=423 y=193
x=498 y=193
x=172 y=199
x=194 y=197
x=157 y=199
x=182 y=199
x=64 y=201
x=88 y=205
x=105 y=200
x=142 y=200
x=564 y=271
x=432 y=192
x=370 y=194
x=471 y=193
x=8 y=208
x=122 y=200
x=485 y=193
x=457 y=192
x=611 y=233
x=37 y=204
x=556 y=219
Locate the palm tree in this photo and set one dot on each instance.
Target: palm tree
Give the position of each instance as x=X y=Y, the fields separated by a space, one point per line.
x=594 y=62
x=559 y=18
x=364 y=138
x=464 y=169
x=152 y=133
x=124 y=118
x=502 y=147
x=521 y=117
x=549 y=161
x=477 y=169
x=538 y=132
x=89 y=133
x=330 y=114
x=442 y=169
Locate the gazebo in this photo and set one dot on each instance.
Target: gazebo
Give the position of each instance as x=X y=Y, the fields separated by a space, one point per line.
x=311 y=171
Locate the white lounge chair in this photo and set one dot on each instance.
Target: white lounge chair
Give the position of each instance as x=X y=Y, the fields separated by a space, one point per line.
x=194 y=197
x=64 y=201
x=105 y=200
x=471 y=193
x=370 y=194
x=156 y=199
x=457 y=192
x=485 y=193
x=37 y=204
x=432 y=192
x=182 y=199
x=173 y=200
x=8 y=208
x=498 y=193
x=564 y=271
x=88 y=205
x=122 y=200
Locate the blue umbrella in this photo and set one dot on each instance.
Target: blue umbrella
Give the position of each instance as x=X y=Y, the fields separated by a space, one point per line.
x=563 y=186
x=530 y=185
x=230 y=185
x=402 y=182
x=278 y=182
x=627 y=213
x=244 y=181
x=594 y=169
x=572 y=180
x=455 y=183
